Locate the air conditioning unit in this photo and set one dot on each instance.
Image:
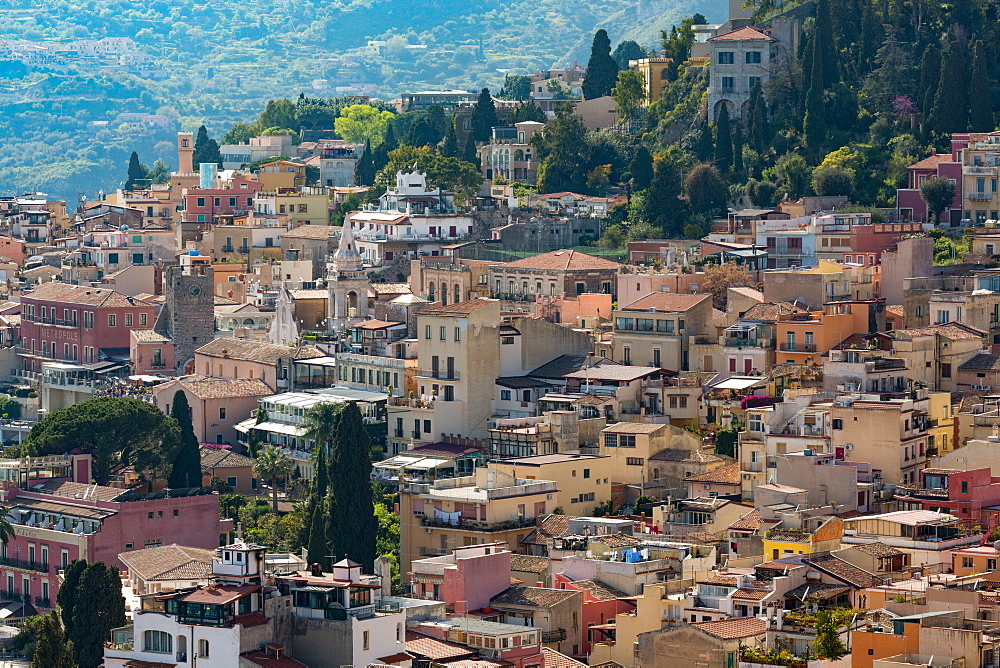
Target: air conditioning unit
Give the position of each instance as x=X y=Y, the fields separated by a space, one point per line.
x=849 y=446
x=550 y=497
x=427 y=530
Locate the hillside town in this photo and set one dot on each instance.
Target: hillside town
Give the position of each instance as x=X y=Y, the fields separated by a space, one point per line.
x=475 y=402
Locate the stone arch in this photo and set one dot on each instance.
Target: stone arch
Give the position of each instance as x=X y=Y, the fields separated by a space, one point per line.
x=717 y=109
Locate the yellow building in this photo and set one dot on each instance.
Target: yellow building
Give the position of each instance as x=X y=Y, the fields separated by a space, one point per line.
x=779 y=542
x=281 y=174
x=654 y=607
x=655 y=72
x=941 y=433
x=305 y=206
x=578 y=477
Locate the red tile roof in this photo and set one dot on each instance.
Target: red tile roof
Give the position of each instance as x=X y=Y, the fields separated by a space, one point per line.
x=731 y=629
x=725 y=475
x=267 y=661
x=742 y=35
x=931 y=162
x=250 y=620
x=218 y=594
x=563 y=260
x=751 y=594
x=531 y=597
x=462 y=308
x=554 y=659
x=769 y=312
x=434 y=648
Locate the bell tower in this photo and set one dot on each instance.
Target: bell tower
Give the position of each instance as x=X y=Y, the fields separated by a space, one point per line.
x=188 y=313
x=347 y=284
x=185 y=153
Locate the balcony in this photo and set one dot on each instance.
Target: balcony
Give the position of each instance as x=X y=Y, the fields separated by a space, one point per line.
x=25 y=564
x=42 y=602
x=440 y=374
x=976 y=196
x=226 y=249
x=800 y=430
x=797 y=347
x=555 y=635
x=980 y=169
x=479 y=525
x=738 y=342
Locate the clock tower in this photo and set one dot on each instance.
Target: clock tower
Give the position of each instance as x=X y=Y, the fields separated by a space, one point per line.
x=188 y=313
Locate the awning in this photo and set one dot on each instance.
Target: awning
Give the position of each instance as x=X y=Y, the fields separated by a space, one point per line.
x=738 y=383
x=277 y=427
x=245 y=426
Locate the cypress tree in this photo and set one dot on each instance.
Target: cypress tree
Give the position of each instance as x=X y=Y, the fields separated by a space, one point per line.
x=930 y=74
x=663 y=206
x=389 y=143
x=316 y=510
x=723 y=140
x=484 y=117
x=827 y=45
x=352 y=529
x=366 y=165
x=641 y=168
x=814 y=124
x=136 y=172
x=66 y=597
x=186 y=468
x=950 y=112
x=99 y=608
x=871 y=34
x=758 y=130
x=470 y=154
x=738 y=149
x=202 y=148
x=981 y=107
x=704 y=147
x=52 y=650
x=449 y=147
x=602 y=70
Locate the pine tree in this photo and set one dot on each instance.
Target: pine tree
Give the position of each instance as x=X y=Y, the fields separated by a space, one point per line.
x=66 y=597
x=981 y=106
x=602 y=70
x=186 y=468
x=52 y=650
x=641 y=168
x=366 y=166
x=99 y=607
x=352 y=528
x=137 y=173
x=814 y=124
x=930 y=74
x=723 y=140
x=449 y=147
x=484 y=117
x=950 y=112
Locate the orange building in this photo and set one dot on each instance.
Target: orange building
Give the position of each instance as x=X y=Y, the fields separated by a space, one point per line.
x=803 y=338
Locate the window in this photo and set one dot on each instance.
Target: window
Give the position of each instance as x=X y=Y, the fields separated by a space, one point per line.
x=458 y=333
x=366 y=640
x=112 y=258
x=201 y=201
x=157 y=641
x=177 y=512
x=727 y=83
x=203 y=649
x=946 y=371
x=111 y=319
x=128 y=319
x=444 y=335
x=966 y=562
x=427 y=332
x=611 y=440
x=726 y=57
x=504 y=395
x=753 y=57
x=222 y=412
x=634 y=461
x=991 y=564
x=231 y=481
x=142 y=319
x=586 y=473
x=965 y=487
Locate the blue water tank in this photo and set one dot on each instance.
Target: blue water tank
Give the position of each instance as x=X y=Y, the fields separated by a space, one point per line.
x=194 y=253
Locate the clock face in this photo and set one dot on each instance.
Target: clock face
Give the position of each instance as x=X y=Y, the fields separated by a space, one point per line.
x=195 y=290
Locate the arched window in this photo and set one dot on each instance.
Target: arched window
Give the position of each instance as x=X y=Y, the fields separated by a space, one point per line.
x=430 y=293
x=444 y=294
x=518 y=155
x=656 y=474
x=157 y=641
x=203 y=648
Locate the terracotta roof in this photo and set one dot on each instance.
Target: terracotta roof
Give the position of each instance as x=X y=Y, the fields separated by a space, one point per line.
x=896 y=309
x=931 y=161
x=843 y=571
x=531 y=597
x=770 y=311
x=751 y=594
x=210 y=387
x=824 y=590
x=749 y=522
x=632 y=428
x=169 y=562
x=398 y=657
x=150 y=336
x=461 y=308
x=319 y=232
x=63 y=508
x=665 y=302
x=249 y=620
x=474 y=662
x=222 y=458
x=80 y=294
x=956 y=331
x=599 y=590
x=724 y=475
x=878 y=549
x=309 y=293
x=553 y=526
x=523 y=563
x=731 y=629
x=981 y=362
x=616 y=540
x=217 y=594
x=434 y=648
x=563 y=260
x=718 y=579
x=67 y=489
x=254 y=351
x=554 y=659
x=377 y=324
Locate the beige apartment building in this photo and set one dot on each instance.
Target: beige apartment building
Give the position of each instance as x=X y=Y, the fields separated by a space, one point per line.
x=581 y=479
x=657 y=330
x=891 y=435
x=487 y=507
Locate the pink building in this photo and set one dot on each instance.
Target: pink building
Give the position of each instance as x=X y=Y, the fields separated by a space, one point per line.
x=601 y=603
x=910 y=206
x=151 y=352
x=205 y=205
x=587 y=310
x=466 y=579
x=963 y=494
x=57 y=519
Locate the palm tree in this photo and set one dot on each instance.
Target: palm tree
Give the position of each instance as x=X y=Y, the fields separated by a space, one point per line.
x=272 y=463
x=321 y=423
